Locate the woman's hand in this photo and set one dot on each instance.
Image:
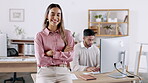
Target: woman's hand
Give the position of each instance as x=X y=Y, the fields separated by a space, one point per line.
x=68 y=48
x=49 y=53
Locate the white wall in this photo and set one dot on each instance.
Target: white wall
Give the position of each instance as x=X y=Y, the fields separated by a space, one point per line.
x=76 y=17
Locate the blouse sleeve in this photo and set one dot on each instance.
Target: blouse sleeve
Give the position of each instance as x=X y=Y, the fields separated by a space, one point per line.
x=66 y=56
x=39 y=49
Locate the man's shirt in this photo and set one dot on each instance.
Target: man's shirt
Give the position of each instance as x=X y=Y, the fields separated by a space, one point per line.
x=85 y=57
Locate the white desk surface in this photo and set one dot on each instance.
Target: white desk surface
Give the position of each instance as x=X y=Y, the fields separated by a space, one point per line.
x=17 y=60
x=18 y=64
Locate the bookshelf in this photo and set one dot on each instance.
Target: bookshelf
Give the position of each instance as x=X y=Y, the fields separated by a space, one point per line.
x=112 y=22
x=25 y=47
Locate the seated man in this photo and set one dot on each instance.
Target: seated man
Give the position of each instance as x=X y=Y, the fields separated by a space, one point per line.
x=87 y=55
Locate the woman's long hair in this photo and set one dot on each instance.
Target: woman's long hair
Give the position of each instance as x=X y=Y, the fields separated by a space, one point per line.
x=60 y=25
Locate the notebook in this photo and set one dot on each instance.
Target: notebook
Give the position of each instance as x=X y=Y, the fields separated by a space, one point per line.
x=87 y=77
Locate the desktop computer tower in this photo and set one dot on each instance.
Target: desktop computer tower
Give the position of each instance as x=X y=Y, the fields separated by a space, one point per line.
x=3 y=45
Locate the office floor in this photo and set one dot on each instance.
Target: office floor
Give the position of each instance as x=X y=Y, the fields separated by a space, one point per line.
x=26 y=76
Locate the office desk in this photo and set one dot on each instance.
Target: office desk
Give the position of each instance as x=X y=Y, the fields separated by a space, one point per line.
x=17 y=64
x=103 y=78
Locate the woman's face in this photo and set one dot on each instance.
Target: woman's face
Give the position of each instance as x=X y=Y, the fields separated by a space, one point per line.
x=54 y=16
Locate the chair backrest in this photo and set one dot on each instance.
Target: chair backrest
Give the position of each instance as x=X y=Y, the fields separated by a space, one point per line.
x=12 y=52
x=139 y=57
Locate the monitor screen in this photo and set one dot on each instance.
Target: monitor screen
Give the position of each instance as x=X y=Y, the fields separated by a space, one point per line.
x=111 y=50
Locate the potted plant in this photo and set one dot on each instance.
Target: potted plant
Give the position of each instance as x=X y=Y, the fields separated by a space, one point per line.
x=76 y=37
x=98 y=18
x=19 y=32
x=73 y=34
x=108 y=29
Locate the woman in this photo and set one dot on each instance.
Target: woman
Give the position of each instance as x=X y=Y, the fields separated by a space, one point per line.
x=53 y=48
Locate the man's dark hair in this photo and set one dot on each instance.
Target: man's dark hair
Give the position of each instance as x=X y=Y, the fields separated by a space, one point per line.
x=88 y=32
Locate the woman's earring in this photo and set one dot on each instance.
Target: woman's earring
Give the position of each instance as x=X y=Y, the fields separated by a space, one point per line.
x=47 y=20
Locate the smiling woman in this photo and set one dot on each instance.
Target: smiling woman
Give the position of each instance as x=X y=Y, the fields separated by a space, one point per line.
x=53 y=48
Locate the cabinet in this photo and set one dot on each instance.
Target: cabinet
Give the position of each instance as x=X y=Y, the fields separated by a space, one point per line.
x=109 y=22
x=24 y=47
x=3 y=44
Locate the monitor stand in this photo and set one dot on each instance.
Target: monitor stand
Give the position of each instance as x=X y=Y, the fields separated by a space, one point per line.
x=117 y=75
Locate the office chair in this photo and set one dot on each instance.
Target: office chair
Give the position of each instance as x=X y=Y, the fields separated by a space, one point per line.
x=139 y=57
x=15 y=78
x=13 y=52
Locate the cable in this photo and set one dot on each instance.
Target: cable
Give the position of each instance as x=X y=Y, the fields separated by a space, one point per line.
x=129 y=73
x=132 y=74
x=119 y=70
x=140 y=80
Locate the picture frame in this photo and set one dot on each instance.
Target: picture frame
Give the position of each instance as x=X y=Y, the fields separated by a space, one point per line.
x=16 y=15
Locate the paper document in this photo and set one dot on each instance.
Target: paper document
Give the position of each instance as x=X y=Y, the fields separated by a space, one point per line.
x=91 y=73
x=29 y=59
x=16 y=59
x=73 y=77
x=10 y=59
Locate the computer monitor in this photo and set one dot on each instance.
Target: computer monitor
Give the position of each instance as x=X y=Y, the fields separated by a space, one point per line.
x=112 y=50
